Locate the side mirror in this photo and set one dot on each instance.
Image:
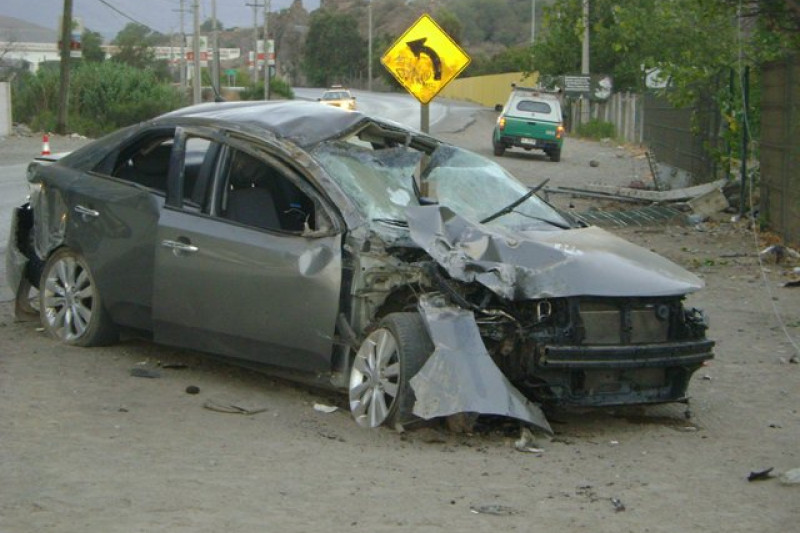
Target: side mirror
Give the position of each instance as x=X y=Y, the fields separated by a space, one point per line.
x=498 y=107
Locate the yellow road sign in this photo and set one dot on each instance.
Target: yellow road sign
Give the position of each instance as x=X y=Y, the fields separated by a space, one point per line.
x=425 y=59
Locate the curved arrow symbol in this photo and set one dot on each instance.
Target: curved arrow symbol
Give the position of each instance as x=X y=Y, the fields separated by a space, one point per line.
x=418 y=47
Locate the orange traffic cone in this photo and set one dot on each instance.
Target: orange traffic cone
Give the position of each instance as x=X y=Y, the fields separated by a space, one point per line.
x=45 y=144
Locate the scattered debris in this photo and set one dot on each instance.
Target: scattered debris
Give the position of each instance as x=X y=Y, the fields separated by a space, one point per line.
x=497 y=510
x=192 y=389
x=709 y=203
x=213 y=405
x=760 y=475
x=777 y=254
x=791 y=477
x=526 y=443
x=775 y=425
x=706 y=377
x=618 y=505
x=594 y=163
x=144 y=373
x=790 y=284
x=173 y=366
x=613 y=443
x=322 y=408
x=794 y=360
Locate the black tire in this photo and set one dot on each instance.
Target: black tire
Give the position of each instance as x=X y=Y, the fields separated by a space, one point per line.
x=499 y=148
x=555 y=155
x=378 y=397
x=70 y=306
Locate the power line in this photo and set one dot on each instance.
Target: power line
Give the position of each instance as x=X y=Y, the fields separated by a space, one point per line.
x=120 y=12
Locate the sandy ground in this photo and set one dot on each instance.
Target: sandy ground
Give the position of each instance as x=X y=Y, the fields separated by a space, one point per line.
x=86 y=447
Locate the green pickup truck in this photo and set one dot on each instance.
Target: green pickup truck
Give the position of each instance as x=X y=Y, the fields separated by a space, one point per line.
x=531 y=119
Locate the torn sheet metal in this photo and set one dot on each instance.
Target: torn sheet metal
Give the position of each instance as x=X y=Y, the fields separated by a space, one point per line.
x=545 y=264
x=460 y=376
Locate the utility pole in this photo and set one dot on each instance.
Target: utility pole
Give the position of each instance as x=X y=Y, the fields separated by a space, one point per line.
x=585 y=60
x=215 y=44
x=255 y=41
x=533 y=21
x=267 y=6
x=369 y=47
x=63 y=90
x=197 y=77
x=182 y=62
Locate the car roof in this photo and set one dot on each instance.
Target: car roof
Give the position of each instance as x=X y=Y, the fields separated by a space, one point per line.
x=304 y=123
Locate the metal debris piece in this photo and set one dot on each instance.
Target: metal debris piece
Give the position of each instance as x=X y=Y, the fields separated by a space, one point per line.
x=144 y=373
x=213 y=405
x=497 y=510
x=322 y=408
x=526 y=442
x=618 y=505
x=645 y=216
x=174 y=366
x=791 y=477
x=760 y=475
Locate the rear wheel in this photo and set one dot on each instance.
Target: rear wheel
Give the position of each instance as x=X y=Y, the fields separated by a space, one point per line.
x=499 y=148
x=388 y=358
x=70 y=306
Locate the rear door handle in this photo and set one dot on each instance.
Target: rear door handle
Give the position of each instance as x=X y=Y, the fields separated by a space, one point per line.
x=179 y=247
x=86 y=213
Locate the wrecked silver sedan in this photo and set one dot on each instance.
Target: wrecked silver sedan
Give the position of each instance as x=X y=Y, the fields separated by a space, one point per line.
x=331 y=246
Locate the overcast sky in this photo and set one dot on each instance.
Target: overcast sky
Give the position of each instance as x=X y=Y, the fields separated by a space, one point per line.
x=161 y=15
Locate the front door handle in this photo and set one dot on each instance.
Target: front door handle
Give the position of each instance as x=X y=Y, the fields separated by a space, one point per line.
x=180 y=247
x=86 y=213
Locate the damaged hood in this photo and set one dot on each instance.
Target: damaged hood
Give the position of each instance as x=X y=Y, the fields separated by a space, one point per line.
x=545 y=264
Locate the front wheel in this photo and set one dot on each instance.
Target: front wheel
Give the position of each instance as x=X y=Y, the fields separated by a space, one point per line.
x=388 y=358
x=555 y=155
x=70 y=306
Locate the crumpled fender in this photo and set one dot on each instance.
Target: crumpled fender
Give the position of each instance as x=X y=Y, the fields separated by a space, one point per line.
x=16 y=261
x=545 y=264
x=460 y=376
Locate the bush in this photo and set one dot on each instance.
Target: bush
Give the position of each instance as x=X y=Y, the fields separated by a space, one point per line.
x=278 y=89
x=597 y=129
x=103 y=97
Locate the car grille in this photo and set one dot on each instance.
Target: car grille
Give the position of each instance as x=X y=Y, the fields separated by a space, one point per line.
x=624 y=324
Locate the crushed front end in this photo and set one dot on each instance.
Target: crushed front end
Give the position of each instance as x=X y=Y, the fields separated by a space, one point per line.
x=579 y=318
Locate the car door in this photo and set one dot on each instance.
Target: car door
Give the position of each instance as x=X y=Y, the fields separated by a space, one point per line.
x=239 y=284
x=112 y=220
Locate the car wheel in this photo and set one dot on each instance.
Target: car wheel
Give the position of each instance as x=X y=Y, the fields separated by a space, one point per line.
x=380 y=393
x=499 y=148
x=70 y=306
x=555 y=155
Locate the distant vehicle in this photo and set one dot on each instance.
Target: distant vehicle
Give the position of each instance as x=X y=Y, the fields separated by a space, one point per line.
x=338 y=96
x=531 y=119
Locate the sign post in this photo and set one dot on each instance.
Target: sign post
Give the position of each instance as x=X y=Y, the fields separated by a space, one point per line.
x=425 y=59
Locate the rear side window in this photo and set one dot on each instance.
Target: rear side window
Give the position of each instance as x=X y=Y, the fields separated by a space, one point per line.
x=532 y=106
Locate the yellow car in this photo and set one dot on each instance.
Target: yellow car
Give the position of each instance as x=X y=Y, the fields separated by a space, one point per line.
x=338 y=96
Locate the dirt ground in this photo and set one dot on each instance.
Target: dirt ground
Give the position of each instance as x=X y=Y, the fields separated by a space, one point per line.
x=87 y=447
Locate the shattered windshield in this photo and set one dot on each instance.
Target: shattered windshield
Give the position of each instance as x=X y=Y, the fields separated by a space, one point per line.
x=381 y=182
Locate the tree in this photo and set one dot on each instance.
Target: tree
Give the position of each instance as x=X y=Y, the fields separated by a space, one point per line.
x=90 y=44
x=208 y=25
x=135 y=42
x=334 y=51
